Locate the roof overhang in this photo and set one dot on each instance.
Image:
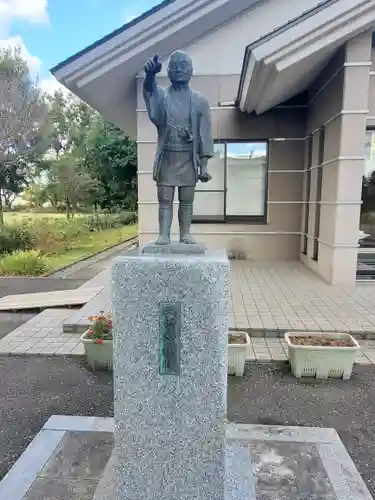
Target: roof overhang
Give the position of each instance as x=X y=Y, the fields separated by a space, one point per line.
x=103 y=75
x=286 y=62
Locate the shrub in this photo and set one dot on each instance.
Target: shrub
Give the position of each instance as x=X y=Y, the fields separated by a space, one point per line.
x=54 y=235
x=107 y=221
x=66 y=232
x=14 y=237
x=23 y=263
x=44 y=236
x=127 y=218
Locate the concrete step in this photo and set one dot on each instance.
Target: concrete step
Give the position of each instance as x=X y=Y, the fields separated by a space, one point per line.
x=45 y=300
x=78 y=321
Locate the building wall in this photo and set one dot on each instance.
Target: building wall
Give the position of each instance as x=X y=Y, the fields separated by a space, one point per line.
x=221 y=51
x=284 y=129
x=336 y=123
x=371 y=104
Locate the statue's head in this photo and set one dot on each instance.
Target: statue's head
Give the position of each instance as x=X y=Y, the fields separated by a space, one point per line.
x=180 y=67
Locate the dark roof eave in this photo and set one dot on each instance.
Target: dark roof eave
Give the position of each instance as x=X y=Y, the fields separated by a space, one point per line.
x=113 y=34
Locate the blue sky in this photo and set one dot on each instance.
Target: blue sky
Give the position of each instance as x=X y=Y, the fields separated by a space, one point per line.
x=49 y=31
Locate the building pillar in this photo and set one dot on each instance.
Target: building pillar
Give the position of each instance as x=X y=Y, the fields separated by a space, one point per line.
x=333 y=239
x=348 y=170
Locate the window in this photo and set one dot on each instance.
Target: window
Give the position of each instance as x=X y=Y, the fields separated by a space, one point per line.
x=238 y=190
x=367 y=223
x=366 y=237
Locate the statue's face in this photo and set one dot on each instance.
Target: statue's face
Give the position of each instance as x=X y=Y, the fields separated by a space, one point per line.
x=180 y=68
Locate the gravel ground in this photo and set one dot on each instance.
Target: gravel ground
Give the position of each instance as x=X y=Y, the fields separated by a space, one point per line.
x=34 y=388
x=268 y=394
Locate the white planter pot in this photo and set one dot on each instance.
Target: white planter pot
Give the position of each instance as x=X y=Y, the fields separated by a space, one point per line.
x=237 y=355
x=99 y=356
x=321 y=361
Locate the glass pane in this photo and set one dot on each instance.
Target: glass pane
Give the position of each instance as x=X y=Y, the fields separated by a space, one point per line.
x=246 y=178
x=366 y=266
x=216 y=167
x=208 y=205
x=367 y=223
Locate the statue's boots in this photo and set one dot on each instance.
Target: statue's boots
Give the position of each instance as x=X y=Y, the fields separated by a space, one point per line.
x=165 y=223
x=185 y=214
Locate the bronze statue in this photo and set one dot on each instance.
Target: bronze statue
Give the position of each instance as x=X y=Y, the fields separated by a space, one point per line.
x=185 y=144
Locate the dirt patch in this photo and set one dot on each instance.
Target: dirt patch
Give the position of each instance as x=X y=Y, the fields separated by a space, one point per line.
x=237 y=339
x=317 y=340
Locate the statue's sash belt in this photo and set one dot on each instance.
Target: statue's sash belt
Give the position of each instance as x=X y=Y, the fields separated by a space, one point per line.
x=178 y=147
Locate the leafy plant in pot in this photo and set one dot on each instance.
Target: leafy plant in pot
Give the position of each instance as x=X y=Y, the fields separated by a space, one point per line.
x=98 y=342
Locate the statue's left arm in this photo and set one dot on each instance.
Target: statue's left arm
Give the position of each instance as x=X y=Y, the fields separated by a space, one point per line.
x=206 y=142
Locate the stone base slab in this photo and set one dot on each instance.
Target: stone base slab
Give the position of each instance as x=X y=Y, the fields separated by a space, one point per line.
x=301 y=463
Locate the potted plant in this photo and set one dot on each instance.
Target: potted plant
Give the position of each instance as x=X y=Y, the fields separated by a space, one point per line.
x=321 y=355
x=238 y=343
x=97 y=341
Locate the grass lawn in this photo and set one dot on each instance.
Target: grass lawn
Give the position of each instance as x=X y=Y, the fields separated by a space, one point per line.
x=17 y=217
x=91 y=243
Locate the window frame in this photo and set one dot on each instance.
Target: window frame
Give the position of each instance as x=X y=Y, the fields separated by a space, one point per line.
x=236 y=219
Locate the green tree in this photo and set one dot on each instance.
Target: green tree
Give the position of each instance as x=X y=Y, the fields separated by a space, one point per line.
x=69 y=119
x=111 y=158
x=100 y=151
x=71 y=185
x=58 y=122
x=35 y=194
x=22 y=119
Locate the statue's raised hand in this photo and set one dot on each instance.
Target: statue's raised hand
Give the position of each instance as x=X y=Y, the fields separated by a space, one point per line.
x=153 y=66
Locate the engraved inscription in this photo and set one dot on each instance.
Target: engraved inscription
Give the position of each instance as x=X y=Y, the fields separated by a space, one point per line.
x=169 y=348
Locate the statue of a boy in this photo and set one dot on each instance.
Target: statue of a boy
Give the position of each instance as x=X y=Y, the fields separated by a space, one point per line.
x=185 y=143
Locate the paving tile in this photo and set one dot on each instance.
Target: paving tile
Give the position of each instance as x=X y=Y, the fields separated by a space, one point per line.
x=263 y=356
x=42 y=344
x=48 y=350
x=268 y=298
x=13 y=345
x=34 y=350
x=55 y=345
x=65 y=350
x=363 y=361
x=273 y=342
x=66 y=338
x=79 y=350
x=277 y=351
x=278 y=356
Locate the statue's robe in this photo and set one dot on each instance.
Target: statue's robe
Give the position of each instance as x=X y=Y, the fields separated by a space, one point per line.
x=177 y=160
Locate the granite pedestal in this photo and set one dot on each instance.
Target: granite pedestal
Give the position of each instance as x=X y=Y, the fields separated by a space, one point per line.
x=170 y=317
x=175 y=248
